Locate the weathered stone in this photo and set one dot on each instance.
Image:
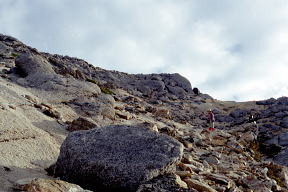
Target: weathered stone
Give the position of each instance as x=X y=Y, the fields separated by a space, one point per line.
x=169 y=131
x=255 y=184
x=212 y=160
x=219 y=179
x=30 y=64
x=247 y=138
x=162 y=112
x=192 y=167
x=124 y=115
x=47 y=185
x=81 y=124
x=180 y=182
x=31 y=99
x=201 y=187
x=52 y=113
x=166 y=183
x=236 y=146
x=116 y=158
x=183 y=174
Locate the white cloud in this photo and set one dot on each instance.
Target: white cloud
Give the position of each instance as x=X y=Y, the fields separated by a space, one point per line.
x=229 y=49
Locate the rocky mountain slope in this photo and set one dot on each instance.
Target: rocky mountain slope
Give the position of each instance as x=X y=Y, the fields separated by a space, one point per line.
x=126 y=132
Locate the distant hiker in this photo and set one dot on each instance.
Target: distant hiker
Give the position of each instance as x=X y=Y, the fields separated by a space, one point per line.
x=211 y=120
x=252 y=119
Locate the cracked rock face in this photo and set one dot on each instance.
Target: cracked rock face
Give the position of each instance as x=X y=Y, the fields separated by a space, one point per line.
x=116 y=158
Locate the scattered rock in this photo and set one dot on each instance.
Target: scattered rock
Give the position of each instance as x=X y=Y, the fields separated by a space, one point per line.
x=165 y=113
x=30 y=98
x=166 y=183
x=47 y=185
x=124 y=115
x=81 y=124
x=12 y=107
x=52 y=113
x=201 y=187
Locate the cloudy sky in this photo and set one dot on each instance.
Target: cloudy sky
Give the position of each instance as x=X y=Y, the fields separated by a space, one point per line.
x=232 y=50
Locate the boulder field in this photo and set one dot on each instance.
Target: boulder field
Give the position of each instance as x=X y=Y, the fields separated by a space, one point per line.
x=66 y=125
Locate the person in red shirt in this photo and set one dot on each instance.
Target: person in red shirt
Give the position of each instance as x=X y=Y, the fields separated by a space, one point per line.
x=211 y=120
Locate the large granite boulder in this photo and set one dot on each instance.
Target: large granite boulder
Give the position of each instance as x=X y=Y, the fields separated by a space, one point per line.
x=116 y=158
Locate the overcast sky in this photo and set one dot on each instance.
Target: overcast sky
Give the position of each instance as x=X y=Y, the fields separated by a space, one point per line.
x=232 y=50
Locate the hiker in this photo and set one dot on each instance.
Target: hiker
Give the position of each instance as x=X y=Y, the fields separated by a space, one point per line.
x=211 y=120
x=252 y=119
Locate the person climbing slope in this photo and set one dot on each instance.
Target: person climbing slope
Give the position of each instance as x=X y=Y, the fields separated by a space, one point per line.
x=211 y=120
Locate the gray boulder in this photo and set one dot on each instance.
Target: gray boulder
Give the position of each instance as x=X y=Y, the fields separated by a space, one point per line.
x=116 y=158
x=30 y=64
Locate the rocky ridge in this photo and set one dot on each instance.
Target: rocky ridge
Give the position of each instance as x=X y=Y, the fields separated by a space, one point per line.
x=44 y=97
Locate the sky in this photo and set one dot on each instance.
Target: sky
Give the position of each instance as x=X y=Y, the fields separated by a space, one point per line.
x=232 y=50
